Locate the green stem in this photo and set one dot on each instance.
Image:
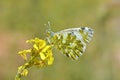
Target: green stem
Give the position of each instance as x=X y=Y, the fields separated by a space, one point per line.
x=25 y=66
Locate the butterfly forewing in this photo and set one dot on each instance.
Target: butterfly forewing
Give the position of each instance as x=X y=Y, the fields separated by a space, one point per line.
x=72 y=42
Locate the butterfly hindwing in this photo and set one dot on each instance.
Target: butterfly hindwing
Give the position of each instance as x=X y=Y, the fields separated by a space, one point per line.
x=72 y=42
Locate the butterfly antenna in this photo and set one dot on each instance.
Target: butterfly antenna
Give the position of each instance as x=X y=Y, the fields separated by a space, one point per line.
x=48 y=26
x=48 y=30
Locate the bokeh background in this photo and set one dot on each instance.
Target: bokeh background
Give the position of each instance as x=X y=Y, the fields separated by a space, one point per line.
x=24 y=19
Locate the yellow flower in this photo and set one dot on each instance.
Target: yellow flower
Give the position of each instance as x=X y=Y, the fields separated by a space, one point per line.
x=23 y=53
x=37 y=43
x=46 y=54
x=22 y=71
x=40 y=56
x=41 y=49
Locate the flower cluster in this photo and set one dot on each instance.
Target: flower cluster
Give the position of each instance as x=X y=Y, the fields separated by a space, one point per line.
x=40 y=56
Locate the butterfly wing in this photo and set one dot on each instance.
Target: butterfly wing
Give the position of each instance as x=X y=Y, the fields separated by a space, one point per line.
x=84 y=33
x=72 y=41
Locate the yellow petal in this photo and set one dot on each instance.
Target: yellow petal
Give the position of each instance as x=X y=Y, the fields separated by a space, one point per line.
x=42 y=44
x=23 y=53
x=24 y=72
x=36 y=47
x=50 y=61
x=43 y=57
x=46 y=48
x=19 y=68
x=24 y=56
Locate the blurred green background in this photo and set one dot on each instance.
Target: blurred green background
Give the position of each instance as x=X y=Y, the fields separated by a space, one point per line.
x=24 y=19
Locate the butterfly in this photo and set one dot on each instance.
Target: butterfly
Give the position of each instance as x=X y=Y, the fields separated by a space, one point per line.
x=72 y=42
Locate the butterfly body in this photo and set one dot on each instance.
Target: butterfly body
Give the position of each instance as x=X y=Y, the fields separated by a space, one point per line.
x=72 y=42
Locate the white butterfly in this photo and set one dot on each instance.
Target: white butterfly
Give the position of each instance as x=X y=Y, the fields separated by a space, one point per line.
x=72 y=42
